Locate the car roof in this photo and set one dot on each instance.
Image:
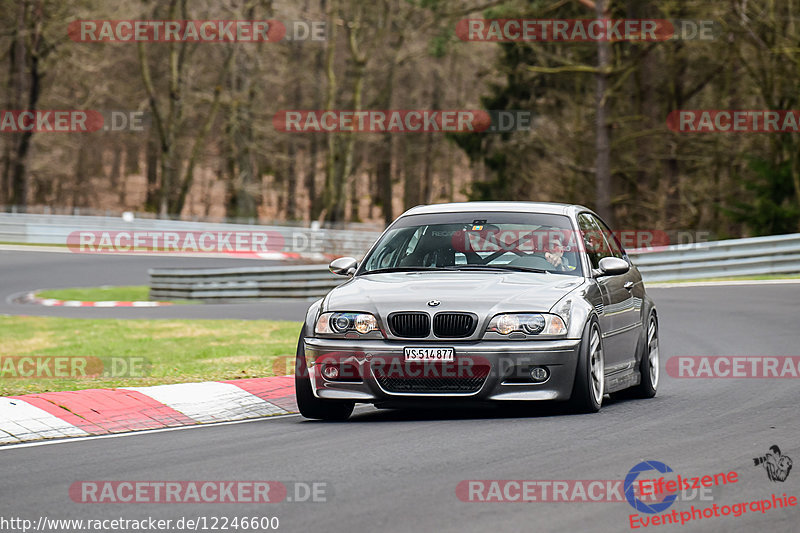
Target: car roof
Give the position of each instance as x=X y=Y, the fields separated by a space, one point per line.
x=513 y=207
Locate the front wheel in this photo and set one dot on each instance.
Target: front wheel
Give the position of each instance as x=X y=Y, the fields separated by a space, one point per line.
x=648 y=367
x=589 y=385
x=310 y=406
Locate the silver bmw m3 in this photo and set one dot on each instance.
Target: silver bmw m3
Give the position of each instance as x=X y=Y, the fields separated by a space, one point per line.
x=485 y=302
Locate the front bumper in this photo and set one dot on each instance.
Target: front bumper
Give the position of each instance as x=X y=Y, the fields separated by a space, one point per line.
x=508 y=364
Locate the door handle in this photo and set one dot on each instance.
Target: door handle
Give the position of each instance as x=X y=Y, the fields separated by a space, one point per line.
x=628 y=285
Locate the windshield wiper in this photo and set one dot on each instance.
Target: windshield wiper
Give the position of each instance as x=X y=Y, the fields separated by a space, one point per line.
x=400 y=269
x=514 y=268
x=504 y=268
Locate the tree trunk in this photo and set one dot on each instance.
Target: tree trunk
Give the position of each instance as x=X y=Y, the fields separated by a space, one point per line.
x=151 y=166
x=291 y=180
x=23 y=55
x=672 y=205
x=311 y=178
x=199 y=141
x=116 y=167
x=296 y=58
x=333 y=190
x=385 y=152
x=348 y=172
x=602 y=143
x=427 y=172
x=167 y=123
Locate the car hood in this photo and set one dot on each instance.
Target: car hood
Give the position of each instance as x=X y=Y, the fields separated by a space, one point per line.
x=483 y=293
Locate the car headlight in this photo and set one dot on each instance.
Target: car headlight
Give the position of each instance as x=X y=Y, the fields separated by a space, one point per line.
x=528 y=323
x=340 y=323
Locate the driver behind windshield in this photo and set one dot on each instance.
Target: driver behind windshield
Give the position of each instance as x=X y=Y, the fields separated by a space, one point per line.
x=518 y=242
x=555 y=255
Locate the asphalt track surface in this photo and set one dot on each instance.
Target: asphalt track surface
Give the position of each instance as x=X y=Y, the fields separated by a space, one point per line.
x=398 y=470
x=22 y=272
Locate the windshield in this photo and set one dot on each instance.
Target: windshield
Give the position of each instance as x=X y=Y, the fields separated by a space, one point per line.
x=477 y=241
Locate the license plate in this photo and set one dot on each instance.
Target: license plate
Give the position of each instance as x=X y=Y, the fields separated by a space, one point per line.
x=444 y=355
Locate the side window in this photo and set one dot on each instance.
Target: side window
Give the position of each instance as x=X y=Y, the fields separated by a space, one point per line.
x=398 y=247
x=409 y=245
x=412 y=243
x=613 y=244
x=593 y=240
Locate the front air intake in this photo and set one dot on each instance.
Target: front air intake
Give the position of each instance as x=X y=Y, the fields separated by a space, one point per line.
x=410 y=325
x=454 y=325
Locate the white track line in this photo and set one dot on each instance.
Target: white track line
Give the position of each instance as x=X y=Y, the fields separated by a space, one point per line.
x=142 y=432
x=158 y=430
x=34 y=248
x=657 y=285
x=66 y=250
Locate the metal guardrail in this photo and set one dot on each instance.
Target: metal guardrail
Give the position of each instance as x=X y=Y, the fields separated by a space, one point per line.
x=776 y=254
x=145 y=215
x=229 y=284
x=54 y=229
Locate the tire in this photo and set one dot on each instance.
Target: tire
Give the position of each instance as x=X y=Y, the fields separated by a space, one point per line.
x=310 y=406
x=648 y=366
x=589 y=385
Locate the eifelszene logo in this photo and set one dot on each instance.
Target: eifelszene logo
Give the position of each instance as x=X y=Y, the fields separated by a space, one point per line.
x=666 y=491
x=636 y=503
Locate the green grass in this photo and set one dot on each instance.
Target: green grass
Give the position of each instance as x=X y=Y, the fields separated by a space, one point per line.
x=132 y=293
x=175 y=351
x=11 y=243
x=733 y=278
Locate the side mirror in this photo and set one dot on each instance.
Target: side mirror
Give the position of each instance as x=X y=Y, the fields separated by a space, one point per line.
x=613 y=266
x=344 y=266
